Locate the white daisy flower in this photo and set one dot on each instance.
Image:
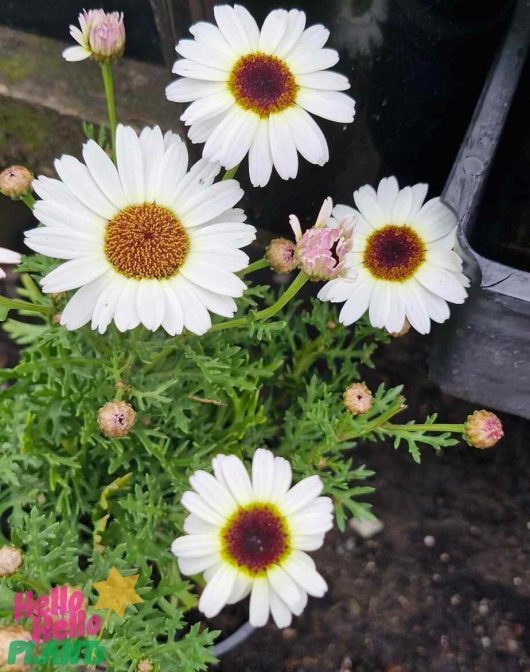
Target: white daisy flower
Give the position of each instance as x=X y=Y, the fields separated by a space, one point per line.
x=249 y=536
x=8 y=257
x=146 y=241
x=254 y=91
x=358 y=26
x=404 y=259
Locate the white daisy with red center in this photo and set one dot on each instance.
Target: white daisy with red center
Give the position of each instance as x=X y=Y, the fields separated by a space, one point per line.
x=147 y=241
x=253 y=91
x=249 y=535
x=403 y=262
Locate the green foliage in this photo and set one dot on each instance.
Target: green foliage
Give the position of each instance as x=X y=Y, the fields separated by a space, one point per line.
x=78 y=503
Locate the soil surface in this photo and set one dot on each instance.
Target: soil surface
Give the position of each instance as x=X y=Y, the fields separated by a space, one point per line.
x=445 y=587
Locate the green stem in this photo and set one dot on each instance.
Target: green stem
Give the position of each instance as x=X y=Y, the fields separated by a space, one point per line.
x=377 y=423
x=389 y=427
x=229 y=174
x=269 y=312
x=254 y=266
x=19 y=304
x=28 y=200
x=106 y=71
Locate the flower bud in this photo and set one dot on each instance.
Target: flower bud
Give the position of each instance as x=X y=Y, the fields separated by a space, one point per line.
x=281 y=255
x=101 y=36
x=116 y=418
x=10 y=560
x=358 y=399
x=8 y=634
x=15 y=181
x=145 y=665
x=403 y=331
x=483 y=429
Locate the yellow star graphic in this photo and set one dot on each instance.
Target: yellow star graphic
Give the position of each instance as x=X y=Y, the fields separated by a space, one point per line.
x=116 y=593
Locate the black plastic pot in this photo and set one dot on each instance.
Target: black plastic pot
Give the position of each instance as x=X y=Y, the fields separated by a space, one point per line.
x=482 y=354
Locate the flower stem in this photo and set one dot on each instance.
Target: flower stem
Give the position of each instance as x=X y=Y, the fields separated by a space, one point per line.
x=269 y=312
x=254 y=266
x=106 y=71
x=229 y=174
x=18 y=304
x=28 y=200
x=388 y=426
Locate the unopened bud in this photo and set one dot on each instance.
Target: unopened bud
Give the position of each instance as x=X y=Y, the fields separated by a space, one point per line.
x=116 y=418
x=281 y=255
x=100 y=35
x=358 y=399
x=15 y=181
x=403 y=331
x=145 y=665
x=331 y=325
x=483 y=429
x=321 y=252
x=9 y=634
x=10 y=560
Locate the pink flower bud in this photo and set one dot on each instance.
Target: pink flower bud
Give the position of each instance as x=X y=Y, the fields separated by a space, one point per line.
x=483 y=429
x=101 y=36
x=15 y=181
x=358 y=399
x=281 y=255
x=322 y=250
x=116 y=418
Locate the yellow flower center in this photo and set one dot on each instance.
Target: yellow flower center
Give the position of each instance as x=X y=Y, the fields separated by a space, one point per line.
x=394 y=253
x=263 y=84
x=146 y=241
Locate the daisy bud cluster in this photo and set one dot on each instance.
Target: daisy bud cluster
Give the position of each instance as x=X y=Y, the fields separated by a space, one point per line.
x=358 y=399
x=483 y=429
x=100 y=36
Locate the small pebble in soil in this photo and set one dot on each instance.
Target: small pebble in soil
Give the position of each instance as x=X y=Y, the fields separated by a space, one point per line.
x=346 y=665
x=366 y=528
x=429 y=541
x=517 y=581
x=486 y=642
x=288 y=633
x=445 y=557
x=474 y=531
x=436 y=578
x=371 y=567
x=483 y=607
x=456 y=600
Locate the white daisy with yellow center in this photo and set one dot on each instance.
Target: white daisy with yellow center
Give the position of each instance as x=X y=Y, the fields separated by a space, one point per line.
x=254 y=90
x=146 y=241
x=403 y=258
x=249 y=536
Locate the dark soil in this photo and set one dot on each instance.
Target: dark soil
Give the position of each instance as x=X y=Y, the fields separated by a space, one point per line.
x=445 y=587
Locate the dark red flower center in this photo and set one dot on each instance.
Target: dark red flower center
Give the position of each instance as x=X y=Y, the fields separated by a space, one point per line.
x=263 y=84
x=394 y=253
x=255 y=538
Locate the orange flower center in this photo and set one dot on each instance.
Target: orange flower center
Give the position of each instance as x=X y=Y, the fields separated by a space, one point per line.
x=394 y=253
x=146 y=241
x=255 y=538
x=263 y=84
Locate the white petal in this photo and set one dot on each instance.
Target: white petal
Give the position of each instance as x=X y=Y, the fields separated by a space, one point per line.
x=196 y=504
x=195 y=525
x=368 y=205
x=241 y=588
x=237 y=479
x=213 y=279
x=417 y=313
x=185 y=90
x=296 y=21
x=213 y=492
x=186 y=68
x=282 y=478
x=435 y=220
x=441 y=282
x=280 y=612
x=306 y=577
x=259 y=603
x=171 y=170
x=233 y=30
x=301 y=494
x=401 y=211
x=216 y=303
x=213 y=57
x=283 y=148
x=284 y=585
x=273 y=30
x=126 y=316
x=76 y=54
x=208 y=203
x=150 y=304
x=106 y=304
x=306 y=62
x=307 y=136
x=260 y=157
x=192 y=566
x=73 y=274
x=196 y=545
x=104 y=173
x=333 y=105
x=217 y=591
x=173 y=321
x=8 y=256
x=380 y=301
x=329 y=81
x=387 y=193
x=263 y=473
x=130 y=164
x=78 y=179
x=78 y=311
x=195 y=316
